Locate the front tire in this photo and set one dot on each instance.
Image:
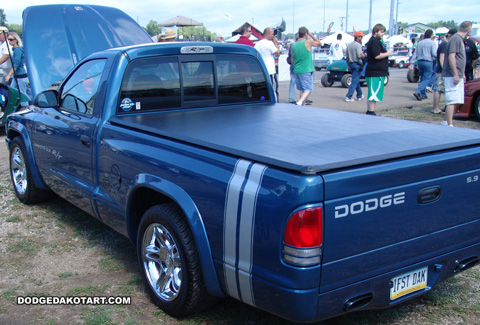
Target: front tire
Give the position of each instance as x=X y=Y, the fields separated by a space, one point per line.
x=170 y=262
x=346 y=80
x=476 y=107
x=21 y=175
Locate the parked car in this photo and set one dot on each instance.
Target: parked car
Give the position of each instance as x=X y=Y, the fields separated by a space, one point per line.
x=399 y=59
x=471 y=105
x=338 y=71
x=320 y=58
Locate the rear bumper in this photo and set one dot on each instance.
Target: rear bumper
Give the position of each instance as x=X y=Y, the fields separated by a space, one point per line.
x=373 y=293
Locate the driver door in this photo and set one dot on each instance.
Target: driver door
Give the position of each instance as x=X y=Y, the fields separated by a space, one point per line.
x=64 y=140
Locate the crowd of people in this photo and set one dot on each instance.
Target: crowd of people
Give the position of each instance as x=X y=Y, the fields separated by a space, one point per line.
x=444 y=64
x=444 y=67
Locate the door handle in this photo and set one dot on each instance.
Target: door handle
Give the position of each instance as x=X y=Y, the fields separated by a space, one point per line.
x=85 y=141
x=429 y=194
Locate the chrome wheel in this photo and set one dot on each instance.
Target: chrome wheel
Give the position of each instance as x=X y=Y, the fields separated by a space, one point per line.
x=161 y=262
x=18 y=170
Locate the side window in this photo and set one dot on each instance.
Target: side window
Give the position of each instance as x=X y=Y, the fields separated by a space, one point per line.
x=79 y=92
x=240 y=80
x=150 y=84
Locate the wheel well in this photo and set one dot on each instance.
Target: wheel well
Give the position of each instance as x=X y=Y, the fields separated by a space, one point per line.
x=475 y=98
x=142 y=200
x=12 y=134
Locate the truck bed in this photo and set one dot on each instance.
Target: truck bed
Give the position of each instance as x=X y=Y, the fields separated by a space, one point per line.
x=326 y=139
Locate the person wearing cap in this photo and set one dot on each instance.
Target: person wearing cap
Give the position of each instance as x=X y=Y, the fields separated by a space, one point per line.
x=5 y=50
x=355 y=65
x=439 y=85
x=170 y=35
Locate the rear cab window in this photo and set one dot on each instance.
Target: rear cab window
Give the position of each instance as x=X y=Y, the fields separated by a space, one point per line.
x=178 y=82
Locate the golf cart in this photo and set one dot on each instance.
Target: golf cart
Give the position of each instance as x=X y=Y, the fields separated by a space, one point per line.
x=9 y=101
x=338 y=71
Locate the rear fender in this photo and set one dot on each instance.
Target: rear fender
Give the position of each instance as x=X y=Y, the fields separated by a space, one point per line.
x=194 y=219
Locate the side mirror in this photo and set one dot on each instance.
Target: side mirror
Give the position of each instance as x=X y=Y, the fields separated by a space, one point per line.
x=48 y=98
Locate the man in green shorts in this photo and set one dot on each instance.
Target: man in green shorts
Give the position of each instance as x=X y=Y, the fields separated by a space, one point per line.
x=377 y=67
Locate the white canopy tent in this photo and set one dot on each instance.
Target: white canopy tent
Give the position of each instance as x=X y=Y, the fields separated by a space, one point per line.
x=347 y=38
x=396 y=39
x=367 y=37
x=441 y=31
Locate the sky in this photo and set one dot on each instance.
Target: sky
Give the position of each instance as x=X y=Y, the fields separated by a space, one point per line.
x=222 y=17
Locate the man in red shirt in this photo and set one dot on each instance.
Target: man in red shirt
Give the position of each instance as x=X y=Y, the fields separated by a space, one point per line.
x=245 y=38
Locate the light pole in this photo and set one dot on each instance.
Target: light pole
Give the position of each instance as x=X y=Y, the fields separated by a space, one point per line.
x=346 y=20
x=370 y=17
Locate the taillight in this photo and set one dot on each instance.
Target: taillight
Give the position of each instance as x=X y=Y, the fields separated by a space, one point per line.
x=303 y=237
x=304 y=229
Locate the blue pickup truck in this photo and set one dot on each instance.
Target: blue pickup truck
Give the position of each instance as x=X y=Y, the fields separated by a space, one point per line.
x=306 y=213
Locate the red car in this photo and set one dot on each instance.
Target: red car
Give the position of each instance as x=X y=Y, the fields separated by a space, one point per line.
x=471 y=104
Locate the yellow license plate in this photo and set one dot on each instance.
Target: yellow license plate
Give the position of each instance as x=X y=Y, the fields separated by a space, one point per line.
x=408 y=282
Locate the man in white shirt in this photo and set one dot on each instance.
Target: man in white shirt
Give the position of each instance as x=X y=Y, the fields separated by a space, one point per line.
x=337 y=49
x=5 y=64
x=268 y=49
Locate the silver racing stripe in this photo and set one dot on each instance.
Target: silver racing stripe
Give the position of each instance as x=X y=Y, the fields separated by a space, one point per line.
x=242 y=191
x=230 y=225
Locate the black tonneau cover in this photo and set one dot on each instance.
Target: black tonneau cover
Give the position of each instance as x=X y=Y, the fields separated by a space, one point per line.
x=303 y=139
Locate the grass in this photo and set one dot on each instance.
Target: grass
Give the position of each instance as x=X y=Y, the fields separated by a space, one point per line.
x=56 y=230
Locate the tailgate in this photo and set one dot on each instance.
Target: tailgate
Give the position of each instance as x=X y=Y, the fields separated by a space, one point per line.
x=382 y=217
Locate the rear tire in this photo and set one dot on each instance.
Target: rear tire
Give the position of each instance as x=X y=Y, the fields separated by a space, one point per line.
x=169 y=262
x=326 y=80
x=21 y=175
x=385 y=82
x=411 y=77
x=401 y=64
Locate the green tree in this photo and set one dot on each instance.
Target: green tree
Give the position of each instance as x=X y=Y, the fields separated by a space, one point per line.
x=441 y=23
x=3 y=18
x=196 y=33
x=15 y=28
x=153 y=28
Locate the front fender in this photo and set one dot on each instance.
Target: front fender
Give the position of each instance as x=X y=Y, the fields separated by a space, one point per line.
x=189 y=208
x=15 y=128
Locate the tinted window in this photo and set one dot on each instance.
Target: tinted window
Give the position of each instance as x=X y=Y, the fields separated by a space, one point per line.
x=198 y=81
x=150 y=84
x=240 y=80
x=159 y=83
x=79 y=92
